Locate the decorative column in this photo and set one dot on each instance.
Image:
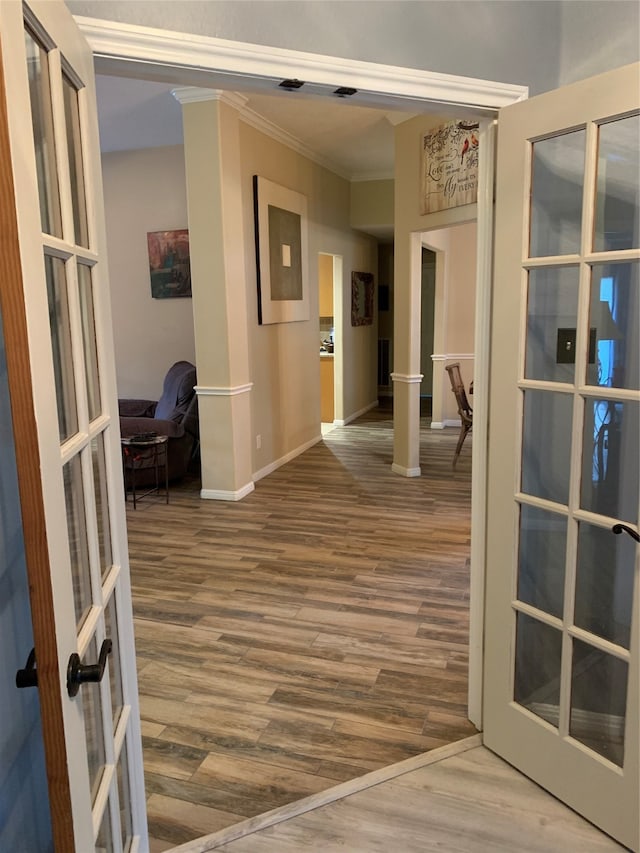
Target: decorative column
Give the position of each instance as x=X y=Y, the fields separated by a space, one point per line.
x=406 y=334
x=216 y=237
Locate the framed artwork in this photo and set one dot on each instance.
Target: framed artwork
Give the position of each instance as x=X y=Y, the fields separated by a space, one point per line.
x=449 y=166
x=281 y=253
x=361 y=298
x=169 y=264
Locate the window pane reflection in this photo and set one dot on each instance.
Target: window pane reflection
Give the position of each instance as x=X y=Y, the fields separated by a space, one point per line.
x=102 y=503
x=552 y=306
x=617 y=220
x=42 y=123
x=604 y=583
x=59 y=322
x=541 y=559
x=546 y=445
x=90 y=346
x=614 y=313
x=598 y=701
x=610 y=459
x=78 y=542
x=556 y=195
x=115 y=673
x=93 y=729
x=537 y=676
x=76 y=171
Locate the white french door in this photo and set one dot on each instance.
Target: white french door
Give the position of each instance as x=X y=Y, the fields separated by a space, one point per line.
x=57 y=324
x=562 y=663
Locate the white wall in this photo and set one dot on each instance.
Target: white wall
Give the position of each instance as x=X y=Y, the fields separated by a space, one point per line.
x=144 y=191
x=535 y=43
x=24 y=801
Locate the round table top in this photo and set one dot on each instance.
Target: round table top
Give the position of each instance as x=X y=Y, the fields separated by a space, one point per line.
x=144 y=440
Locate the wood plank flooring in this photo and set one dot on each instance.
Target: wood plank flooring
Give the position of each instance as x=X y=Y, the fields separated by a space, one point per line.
x=311 y=633
x=467 y=801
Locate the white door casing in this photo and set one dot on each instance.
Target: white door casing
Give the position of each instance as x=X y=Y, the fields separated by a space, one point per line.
x=56 y=308
x=546 y=630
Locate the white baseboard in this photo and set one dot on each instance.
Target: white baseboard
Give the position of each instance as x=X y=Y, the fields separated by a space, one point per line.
x=453 y=423
x=272 y=466
x=437 y=425
x=357 y=414
x=223 y=495
x=405 y=472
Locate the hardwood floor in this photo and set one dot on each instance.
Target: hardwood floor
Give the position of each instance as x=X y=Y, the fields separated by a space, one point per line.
x=459 y=798
x=313 y=632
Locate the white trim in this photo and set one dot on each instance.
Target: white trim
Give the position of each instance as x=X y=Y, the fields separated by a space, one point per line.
x=120 y=43
x=197 y=94
x=437 y=425
x=405 y=472
x=357 y=414
x=224 y=495
x=272 y=466
x=453 y=356
x=408 y=378
x=222 y=391
x=451 y=422
x=482 y=336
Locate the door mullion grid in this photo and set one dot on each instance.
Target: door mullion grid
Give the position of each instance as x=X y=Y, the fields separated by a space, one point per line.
x=577 y=427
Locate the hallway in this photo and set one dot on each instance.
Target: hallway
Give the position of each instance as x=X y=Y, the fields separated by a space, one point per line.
x=310 y=634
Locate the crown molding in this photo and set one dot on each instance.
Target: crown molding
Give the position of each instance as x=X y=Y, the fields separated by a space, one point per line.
x=196 y=94
x=372 y=176
x=125 y=44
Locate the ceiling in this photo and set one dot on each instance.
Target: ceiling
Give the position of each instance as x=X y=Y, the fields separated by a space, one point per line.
x=355 y=142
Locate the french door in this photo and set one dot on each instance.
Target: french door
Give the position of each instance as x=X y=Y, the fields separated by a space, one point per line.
x=57 y=326
x=562 y=664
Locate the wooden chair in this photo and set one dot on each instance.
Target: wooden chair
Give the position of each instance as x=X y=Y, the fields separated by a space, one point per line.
x=464 y=409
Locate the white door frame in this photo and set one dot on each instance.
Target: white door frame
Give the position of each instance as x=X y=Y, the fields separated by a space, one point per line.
x=187 y=59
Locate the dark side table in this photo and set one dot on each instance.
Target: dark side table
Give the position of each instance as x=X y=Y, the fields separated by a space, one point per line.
x=145 y=454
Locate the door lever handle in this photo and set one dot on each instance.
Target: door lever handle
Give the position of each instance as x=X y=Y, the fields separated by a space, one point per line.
x=28 y=677
x=80 y=673
x=620 y=528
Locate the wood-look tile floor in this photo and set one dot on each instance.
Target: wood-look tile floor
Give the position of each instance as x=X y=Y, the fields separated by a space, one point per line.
x=466 y=802
x=311 y=633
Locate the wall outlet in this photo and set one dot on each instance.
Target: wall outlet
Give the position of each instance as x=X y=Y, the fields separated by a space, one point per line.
x=258 y=442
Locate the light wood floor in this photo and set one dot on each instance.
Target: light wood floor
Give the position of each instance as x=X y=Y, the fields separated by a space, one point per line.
x=311 y=633
x=465 y=801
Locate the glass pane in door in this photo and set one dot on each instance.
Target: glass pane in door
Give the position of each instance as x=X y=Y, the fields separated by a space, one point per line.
x=598 y=701
x=556 y=195
x=94 y=732
x=76 y=171
x=537 y=675
x=102 y=503
x=546 y=445
x=552 y=310
x=541 y=559
x=104 y=841
x=60 y=325
x=611 y=459
x=115 y=673
x=42 y=123
x=78 y=542
x=617 y=219
x=614 y=314
x=604 y=583
x=90 y=345
x=124 y=797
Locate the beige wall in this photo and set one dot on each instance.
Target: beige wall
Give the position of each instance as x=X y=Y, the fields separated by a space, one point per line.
x=410 y=228
x=455 y=249
x=284 y=358
x=144 y=191
x=372 y=204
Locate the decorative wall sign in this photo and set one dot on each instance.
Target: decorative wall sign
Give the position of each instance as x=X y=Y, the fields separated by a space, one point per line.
x=281 y=253
x=361 y=298
x=449 y=166
x=169 y=263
